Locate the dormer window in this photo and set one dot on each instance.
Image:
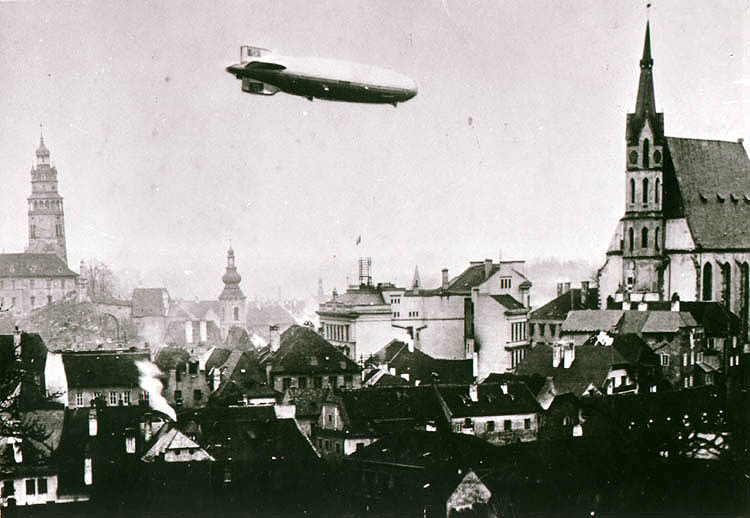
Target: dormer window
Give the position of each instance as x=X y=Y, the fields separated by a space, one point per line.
x=505 y=283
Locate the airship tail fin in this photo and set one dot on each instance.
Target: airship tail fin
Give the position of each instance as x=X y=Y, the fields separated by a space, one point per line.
x=249 y=53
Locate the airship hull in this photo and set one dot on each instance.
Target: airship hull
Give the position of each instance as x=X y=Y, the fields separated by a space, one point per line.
x=324 y=79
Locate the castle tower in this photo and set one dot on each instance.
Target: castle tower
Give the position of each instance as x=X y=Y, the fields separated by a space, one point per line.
x=643 y=223
x=46 y=218
x=232 y=300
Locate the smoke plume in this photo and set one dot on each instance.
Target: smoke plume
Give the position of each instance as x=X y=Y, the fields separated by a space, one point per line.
x=149 y=381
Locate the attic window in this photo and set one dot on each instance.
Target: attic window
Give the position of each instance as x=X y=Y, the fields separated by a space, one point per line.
x=734 y=198
x=703 y=198
x=313 y=360
x=721 y=197
x=747 y=198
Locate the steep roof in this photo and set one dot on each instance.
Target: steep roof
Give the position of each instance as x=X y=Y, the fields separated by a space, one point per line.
x=491 y=400
x=422 y=366
x=473 y=276
x=715 y=318
x=148 y=302
x=34 y=265
x=302 y=350
x=169 y=438
x=97 y=369
x=559 y=307
x=714 y=188
x=590 y=367
x=591 y=320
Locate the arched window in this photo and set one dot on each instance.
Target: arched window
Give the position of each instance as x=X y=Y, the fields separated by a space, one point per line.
x=644 y=238
x=236 y=313
x=630 y=238
x=646 y=153
x=708 y=281
x=656 y=191
x=632 y=191
x=656 y=238
x=726 y=284
x=644 y=194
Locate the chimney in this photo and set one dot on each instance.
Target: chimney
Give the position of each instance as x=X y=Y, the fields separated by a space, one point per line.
x=566 y=286
x=626 y=305
x=275 y=338
x=444 y=271
x=410 y=344
x=569 y=355
x=474 y=364
x=556 y=355
x=559 y=288
x=642 y=306
x=147 y=427
x=474 y=392
x=93 y=423
x=584 y=292
x=487 y=268
x=675 y=303
x=17 y=451
x=741 y=141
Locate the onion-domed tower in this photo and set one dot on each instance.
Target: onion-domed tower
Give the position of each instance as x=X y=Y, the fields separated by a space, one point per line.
x=46 y=217
x=232 y=300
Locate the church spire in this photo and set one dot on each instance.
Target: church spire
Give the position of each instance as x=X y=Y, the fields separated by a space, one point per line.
x=645 y=103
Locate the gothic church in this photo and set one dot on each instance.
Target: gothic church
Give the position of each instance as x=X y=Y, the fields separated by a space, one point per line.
x=686 y=228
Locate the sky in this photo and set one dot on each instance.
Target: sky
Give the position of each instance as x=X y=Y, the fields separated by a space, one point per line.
x=514 y=145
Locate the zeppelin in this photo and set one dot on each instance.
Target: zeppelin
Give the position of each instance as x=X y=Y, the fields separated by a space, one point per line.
x=265 y=73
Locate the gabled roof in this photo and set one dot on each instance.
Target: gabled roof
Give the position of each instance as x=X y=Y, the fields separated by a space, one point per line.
x=302 y=350
x=421 y=366
x=169 y=438
x=97 y=369
x=590 y=367
x=34 y=265
x=193 y=309
x=654 y=321
x=591 y=320
x=150 y=302
x=491 y=400
x=558 y=308
x=471 y=277
x=714 y=188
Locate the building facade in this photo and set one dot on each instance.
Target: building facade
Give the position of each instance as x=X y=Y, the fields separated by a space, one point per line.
x=685 y=230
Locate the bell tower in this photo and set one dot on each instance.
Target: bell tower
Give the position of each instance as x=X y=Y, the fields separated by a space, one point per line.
x=46 y=217
x=232 y=300
x=643 y=224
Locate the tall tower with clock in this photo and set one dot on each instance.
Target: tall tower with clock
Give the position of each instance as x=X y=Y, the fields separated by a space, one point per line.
x=46 y=217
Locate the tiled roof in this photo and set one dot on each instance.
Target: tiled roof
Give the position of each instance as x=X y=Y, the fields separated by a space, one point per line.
x=491 y=400
x=558 y=308
x=380 y=410
x=590 y=367
x=667 y=321
x=714 y=188
x=302 y=350
x=469 y=278
x=170 y=438
x=591 y=320
x=150 y=302
x=421 y=366
x=34 y=265
x=360 y=296
x=96 y=369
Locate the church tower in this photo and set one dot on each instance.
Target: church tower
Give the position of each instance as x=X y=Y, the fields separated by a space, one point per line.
x=46 y=218
x=232 y=300
x=643 y=224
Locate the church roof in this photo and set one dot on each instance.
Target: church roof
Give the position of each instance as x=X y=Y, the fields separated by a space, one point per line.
x=34 y=265
x=714 y=183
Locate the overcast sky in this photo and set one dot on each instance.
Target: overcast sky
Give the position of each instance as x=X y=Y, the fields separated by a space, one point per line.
x=515 y=141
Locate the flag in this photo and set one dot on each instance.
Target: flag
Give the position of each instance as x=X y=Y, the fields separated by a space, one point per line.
x=359 y=239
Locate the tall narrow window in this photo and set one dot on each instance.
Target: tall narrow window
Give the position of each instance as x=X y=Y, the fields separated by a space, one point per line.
x=708 y=281
x=657 y=195
x=632 y=191
x=236 y=313
x=656 y=238
x=630 y=238
x=644 y=238
x=644 y=194
x=646 y=153
x=726 y=284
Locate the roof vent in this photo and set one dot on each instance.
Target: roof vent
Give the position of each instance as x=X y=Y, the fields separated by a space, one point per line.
x=703 y=197
x=721 y=197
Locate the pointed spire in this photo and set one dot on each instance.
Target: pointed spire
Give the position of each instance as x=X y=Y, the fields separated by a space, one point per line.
x=42 y=151
x=416 y=282
x=645 y=103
